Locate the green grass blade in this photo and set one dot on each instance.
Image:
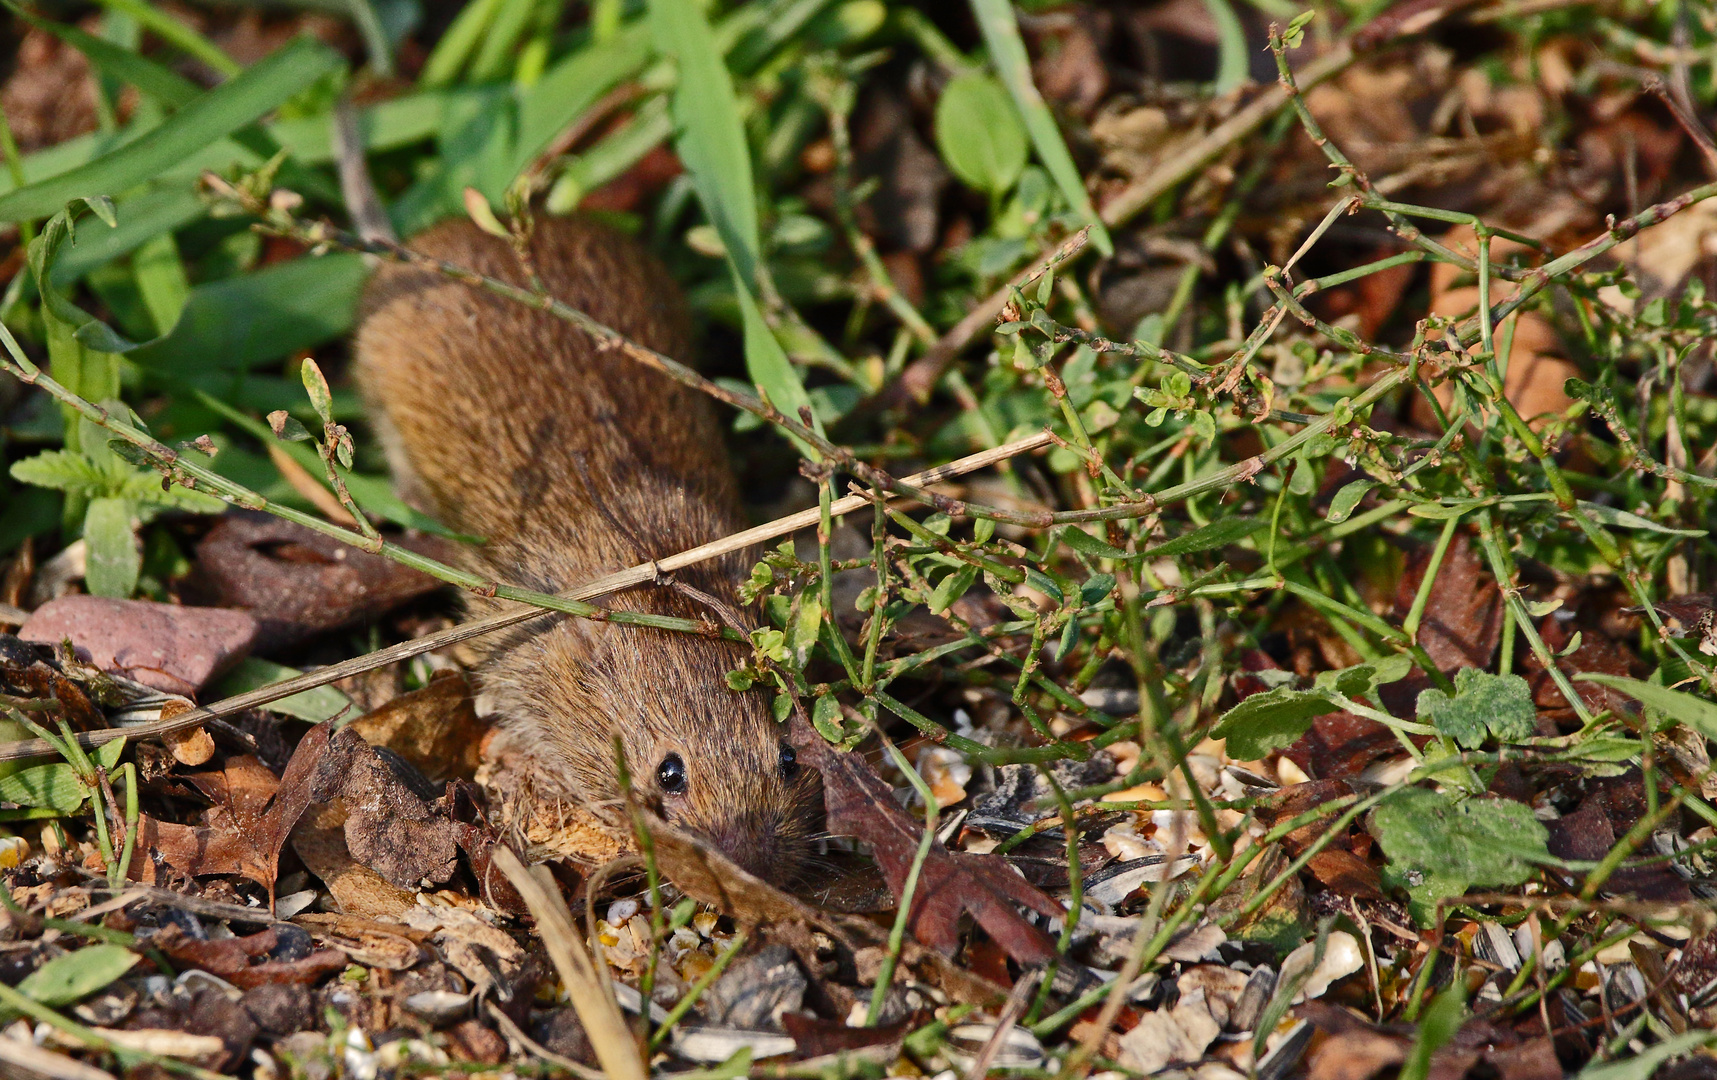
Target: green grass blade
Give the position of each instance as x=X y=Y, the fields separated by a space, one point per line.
x=160 y=276
x=148 y=213
x=1007 y=50
x=251 y=673
x=612 y=155
x=784 y=21
x=709 y=135
x=455 y=47
x=239 y=322
x=168 y=88
x=710 y=139
x=1683 y=708
x=1231 y=51
x=176 y=33
x=212 y=116
x=571 y=86
x=376 y=45
x=494 y=55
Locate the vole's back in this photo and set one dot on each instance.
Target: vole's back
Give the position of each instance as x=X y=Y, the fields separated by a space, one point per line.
x=511 y=425
x=572 y=461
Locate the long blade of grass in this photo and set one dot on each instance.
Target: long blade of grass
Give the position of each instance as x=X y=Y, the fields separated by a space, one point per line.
x=709 y=135
x=369 y=25
x=616 y=1051
x=238 y=322
x=494 y=55
x=162 y=85
x=212 y=116
x=571 y=86
x=710 y=139
x=1007 y=50
x=176 y=33
x=1231 y=51
x=152 y=211
x=455 y=47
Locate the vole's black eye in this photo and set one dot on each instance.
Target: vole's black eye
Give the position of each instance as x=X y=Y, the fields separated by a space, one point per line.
x=671 y=775
x=789 y=763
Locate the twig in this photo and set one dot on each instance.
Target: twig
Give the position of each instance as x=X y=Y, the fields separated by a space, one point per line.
x=1011 y=1011
x=1695 y=130
x=38 y=1061
x=356 y=187
x=921 y=376
x=1127 y=202
x=513 y=1032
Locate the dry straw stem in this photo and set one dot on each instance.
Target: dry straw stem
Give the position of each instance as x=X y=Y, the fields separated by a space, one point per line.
x=616 y=1050
x=536 y=1049
x=33 y=1060
x=641 y=574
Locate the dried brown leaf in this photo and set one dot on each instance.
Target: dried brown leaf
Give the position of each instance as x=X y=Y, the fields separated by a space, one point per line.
x=436 y=728
x=231 y=958
x=389 y=827
x=294 y=581
x=237 y=840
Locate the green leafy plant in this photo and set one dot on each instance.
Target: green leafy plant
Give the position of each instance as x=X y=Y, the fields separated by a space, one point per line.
x=1274 y=719
x=74 y=976
x=1483 y=706
x=1440 y=847
x=980 y=134
x=116 y=496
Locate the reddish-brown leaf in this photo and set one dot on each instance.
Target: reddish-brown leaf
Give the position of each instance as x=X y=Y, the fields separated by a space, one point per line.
x=1590 y=832
x=238 y=840
x=294 y=581
x=1462 y=623
x=389 y=827
x=817 y=1037
x=1341 y=744
x=1346 y=873
x=232 y=958
x=860 y=804
x=1597 y=653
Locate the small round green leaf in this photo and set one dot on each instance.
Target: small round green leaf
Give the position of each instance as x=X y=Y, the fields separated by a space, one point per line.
x=979 y=132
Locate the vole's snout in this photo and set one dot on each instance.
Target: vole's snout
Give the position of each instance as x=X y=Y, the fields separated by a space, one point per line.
x=767 y=826
x=767 y=844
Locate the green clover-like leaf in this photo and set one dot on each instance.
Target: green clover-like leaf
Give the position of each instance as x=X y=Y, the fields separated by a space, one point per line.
x=1483 y=705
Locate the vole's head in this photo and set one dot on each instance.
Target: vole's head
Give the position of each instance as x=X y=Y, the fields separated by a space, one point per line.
x=732 y=779
x=702 y=757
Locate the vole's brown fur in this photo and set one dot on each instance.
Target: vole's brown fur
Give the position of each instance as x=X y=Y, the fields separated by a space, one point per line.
x=573 y=461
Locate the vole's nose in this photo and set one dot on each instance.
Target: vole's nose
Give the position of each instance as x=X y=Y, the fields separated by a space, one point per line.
x=756 y=843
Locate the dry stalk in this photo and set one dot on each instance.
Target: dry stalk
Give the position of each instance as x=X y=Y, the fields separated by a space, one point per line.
x=616 y=1050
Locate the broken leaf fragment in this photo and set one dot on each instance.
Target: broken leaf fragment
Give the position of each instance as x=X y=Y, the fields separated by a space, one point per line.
x=1274 y=719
